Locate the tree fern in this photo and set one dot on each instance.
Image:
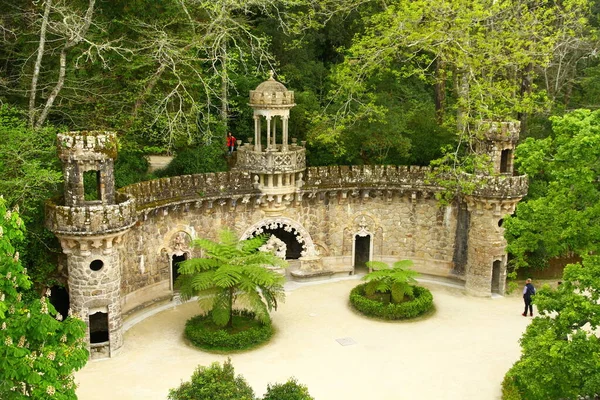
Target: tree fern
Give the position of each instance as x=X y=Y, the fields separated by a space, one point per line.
x=232 y=274
x=395 y=280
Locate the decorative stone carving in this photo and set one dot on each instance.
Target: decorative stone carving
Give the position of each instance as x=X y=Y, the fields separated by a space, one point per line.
x=275 y=246
x=289 y=225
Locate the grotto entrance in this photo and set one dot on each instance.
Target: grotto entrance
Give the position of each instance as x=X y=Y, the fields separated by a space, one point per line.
x=362 y=252
x=293 y=247
x=59 y=298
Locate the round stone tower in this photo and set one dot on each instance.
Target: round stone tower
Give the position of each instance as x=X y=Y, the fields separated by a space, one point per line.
x=90 y=222
x=276 y=165
x=496 y=196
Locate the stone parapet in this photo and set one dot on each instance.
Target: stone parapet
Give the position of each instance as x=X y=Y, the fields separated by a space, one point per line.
x=87 y=145
x=507 y=187
x=91 y=219
x=272 y=162
x=175 y=189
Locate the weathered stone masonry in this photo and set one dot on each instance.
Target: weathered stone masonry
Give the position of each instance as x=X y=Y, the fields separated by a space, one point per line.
x=121 y=248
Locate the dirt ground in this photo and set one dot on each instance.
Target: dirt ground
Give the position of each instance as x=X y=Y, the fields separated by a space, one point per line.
x=461 y=352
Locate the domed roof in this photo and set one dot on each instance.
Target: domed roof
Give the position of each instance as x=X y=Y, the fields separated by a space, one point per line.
x=271 y=95
x=271 y=85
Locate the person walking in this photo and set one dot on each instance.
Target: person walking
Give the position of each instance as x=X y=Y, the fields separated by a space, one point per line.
x=230 y=143
x=528 y=291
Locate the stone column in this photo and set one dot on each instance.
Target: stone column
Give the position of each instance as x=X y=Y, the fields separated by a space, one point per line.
x=268 y=132
x=284 y=144
x=257 y=144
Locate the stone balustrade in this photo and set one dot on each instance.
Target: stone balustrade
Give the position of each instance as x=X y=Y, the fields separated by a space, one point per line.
x=93 y=218
x=272 y=162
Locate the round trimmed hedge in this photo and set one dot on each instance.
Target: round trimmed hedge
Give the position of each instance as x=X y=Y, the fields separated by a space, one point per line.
x=247 y=332
x=420 y=304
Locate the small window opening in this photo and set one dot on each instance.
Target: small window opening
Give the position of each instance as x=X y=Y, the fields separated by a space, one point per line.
x=91 y=186
x=505 y=161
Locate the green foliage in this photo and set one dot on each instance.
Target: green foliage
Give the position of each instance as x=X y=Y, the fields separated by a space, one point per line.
x=421 y=303
x=560 y=349
x=233 y=272
x=38 y=352
x=291 y=390
x=396 y=280
x=196 y=160
x=215 y=382
x=245 y=332
x=131 y=167
x=561 y=214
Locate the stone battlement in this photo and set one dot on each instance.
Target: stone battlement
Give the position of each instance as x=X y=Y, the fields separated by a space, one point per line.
x=91 y=219
x=186 y=187
x=501 y=186
x=368 y=176
x=500 y=131
x=87 y=145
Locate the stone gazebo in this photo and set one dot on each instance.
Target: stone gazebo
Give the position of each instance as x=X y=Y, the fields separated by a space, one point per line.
x=275 y=164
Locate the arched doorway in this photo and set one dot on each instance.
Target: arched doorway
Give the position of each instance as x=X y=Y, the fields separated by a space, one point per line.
x=362 y=252
x=176 y=260
x=99 y=327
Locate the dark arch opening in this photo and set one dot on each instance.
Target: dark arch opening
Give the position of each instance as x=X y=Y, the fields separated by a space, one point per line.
x=496 y=276
x=59 y=298
x=175 y=268
x=294 y=248
x=99 y=327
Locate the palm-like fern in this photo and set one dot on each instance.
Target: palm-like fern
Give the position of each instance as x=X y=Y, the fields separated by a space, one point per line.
x=396 y=280
x=232 y=272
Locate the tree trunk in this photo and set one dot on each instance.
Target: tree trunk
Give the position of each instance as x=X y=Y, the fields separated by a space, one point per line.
x=224 y=87
x=230 y=322
x=38 y=63
x=525 y=90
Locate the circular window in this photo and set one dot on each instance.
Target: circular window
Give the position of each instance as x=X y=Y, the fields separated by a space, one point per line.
x=96 y=265
x=500 y=222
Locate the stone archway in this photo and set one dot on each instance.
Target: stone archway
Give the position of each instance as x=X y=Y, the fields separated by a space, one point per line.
x=288 y=225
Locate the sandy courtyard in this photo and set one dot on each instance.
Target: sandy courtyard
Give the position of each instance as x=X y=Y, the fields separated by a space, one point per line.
x=461 y=352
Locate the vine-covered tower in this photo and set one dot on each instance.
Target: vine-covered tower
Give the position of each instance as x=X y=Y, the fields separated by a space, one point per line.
x=90 y=222
x=496 y=197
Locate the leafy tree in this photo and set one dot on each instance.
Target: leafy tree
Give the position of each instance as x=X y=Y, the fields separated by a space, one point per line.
x=231 y=273
x=291 y=390
x=38 y=351
x=560 y=348
x=561 y=214
x=396 y=280
x=215 y=382
x=196 y=160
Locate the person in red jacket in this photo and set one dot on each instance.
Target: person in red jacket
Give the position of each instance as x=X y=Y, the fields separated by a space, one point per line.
x=230 y=143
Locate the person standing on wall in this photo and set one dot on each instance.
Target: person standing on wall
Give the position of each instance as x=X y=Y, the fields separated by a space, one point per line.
x=528 y=291
x=231 y=140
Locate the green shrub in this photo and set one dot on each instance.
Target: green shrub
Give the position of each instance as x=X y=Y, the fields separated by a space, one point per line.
x=510 y=391
x=214 y=383
x=131 y=167
x=291 y=390
x=421 y=303
x=196 y=160
x=246 y=333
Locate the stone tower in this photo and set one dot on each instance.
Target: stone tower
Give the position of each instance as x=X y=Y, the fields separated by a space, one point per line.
x=495 y=197
x=90 y=222
x=276 y=165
